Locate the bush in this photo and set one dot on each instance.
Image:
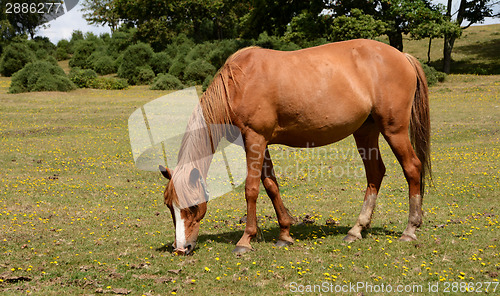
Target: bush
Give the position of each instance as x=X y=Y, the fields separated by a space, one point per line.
x=40 y=76
x=108 y=83
x=207 y=82
x=119 y=42
x=41 y=54
x=145 y=76
x=218 y=56
x=83 y=50
x=433 y=75
x=62 y=50
x=15 y=57
x=181 y=45
x=42 y=43
x=82 y=77
x=76 y=36
x=178 y=66
x=102 y=63
x=166 y=82
x=52 y=60
x=274 y=42
x=136 y=56
x=198 y=71
x=200 y=51
x=61 y=54
x=161 y=62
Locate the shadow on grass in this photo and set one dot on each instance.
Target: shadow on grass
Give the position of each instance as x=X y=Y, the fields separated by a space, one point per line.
x=485 y=50
x=304 y=232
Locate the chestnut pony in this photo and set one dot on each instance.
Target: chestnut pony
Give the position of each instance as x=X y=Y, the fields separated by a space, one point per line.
x=309 y=97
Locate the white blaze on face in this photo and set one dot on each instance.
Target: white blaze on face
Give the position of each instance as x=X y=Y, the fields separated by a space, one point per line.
x=180 y=229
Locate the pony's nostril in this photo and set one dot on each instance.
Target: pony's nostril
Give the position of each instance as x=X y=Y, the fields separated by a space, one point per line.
x=189 y=247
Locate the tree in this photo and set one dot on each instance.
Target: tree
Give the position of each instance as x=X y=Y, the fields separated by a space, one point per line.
x=436 y=26
x=273 y=16
x=356 y=25
x=158 y=21
x=469 y=12
x=399 y=16
x=101 y=12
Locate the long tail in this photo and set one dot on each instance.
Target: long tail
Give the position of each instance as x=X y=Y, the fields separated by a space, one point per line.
x=420 y=124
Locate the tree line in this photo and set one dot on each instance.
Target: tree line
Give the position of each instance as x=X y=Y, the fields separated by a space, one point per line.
x=303 y=22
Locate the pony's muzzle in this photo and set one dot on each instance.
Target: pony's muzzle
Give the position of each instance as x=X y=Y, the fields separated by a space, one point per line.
x=188 y=248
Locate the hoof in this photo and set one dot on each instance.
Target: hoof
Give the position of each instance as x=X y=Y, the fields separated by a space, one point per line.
x=408 y=238
x=349 y=238
x=283 y=243
x=241 y=250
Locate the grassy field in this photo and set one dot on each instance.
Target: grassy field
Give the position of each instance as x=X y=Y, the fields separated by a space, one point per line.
x=78 y=218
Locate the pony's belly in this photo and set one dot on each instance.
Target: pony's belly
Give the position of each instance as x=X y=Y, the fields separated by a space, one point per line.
x=313 y=137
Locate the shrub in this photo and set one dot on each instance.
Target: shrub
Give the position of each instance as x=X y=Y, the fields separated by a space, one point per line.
x=200 y=51
x=433 y=75
x=145 y=76
x=83 y=50
x=76 y=36
x=102 y=63
x=40 y=76
x=161 y=62
x=119 y=42
x=89 y=36
x=52 y=60
x=198 y=71
x=41 y=54
x=166 y=82
x=61 y=54
x=222 y=51
x=207 y=82
x=42 y=43
x=62 y=50
x=108 y=83
x=106 y=37
x=82 y=77
x=15 y=57
x=267 y=41
x=178 y=66
x=136 y=56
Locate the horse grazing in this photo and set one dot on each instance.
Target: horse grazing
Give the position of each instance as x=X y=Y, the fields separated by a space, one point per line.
x=309 y=97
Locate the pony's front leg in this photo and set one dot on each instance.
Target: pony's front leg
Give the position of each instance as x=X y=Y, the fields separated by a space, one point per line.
x=255 y=146
x=273 y=191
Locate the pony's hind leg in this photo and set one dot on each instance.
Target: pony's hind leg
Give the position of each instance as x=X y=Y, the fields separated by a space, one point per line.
x=401 y=146
x=271 y=185
x=367 y=142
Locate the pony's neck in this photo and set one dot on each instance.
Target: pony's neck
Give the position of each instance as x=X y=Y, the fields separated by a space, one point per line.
x=199 y=143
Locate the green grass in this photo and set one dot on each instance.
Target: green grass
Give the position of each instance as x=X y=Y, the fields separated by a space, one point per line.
x=77 y=217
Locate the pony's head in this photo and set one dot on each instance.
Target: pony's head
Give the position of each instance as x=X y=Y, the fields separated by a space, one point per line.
x=186 y=197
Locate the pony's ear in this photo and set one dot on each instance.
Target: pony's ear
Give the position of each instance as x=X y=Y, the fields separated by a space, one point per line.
x=194 y=177
x=166 y=172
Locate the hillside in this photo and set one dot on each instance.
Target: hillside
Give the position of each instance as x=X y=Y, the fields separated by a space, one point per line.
x=476 y=52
